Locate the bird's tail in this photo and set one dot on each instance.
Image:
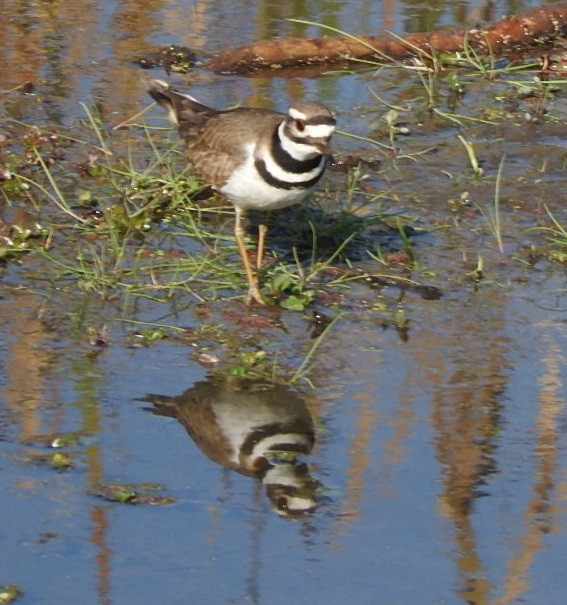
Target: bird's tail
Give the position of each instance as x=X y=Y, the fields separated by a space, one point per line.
x=180 y=107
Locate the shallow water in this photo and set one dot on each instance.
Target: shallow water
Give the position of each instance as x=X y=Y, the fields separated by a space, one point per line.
x=438 y=471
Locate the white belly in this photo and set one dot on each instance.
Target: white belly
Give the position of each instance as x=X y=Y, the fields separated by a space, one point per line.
x=248 y=190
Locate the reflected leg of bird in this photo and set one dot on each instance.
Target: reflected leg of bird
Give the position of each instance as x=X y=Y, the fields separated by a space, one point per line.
x=262 y=232
x=253 y=291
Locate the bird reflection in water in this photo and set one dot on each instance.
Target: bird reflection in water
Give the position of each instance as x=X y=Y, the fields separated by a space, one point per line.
x=259 y=430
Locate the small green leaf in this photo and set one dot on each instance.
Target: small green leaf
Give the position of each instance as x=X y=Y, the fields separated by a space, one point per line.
x=124 y=496
x=281 y=282
x=293 y=303
x=60 y=461
x=9 y=593
x=65 y=440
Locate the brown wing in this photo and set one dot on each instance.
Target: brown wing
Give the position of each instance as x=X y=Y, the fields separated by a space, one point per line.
x=215 y=140
x=217 y=146
x=180 y=107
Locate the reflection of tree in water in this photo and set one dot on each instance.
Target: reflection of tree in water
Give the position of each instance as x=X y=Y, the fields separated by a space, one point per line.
x=470 y=379
x=255 y=429
x=469 y=369
x=542 y=512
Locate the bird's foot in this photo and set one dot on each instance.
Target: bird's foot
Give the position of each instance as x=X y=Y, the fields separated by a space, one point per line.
x=254 y=296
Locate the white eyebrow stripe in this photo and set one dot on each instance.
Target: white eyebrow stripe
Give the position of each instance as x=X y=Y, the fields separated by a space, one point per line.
x=296 y=114
x=318 y=131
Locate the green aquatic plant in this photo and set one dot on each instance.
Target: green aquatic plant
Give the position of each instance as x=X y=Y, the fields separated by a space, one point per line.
x=491 y=213
x=556 y=235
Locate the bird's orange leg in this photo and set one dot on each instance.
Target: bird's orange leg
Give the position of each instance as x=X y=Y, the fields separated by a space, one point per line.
x=253 y=291
x=262 y=232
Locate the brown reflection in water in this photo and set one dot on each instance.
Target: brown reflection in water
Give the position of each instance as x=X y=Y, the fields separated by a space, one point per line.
x=26 y=360
x=541 y=515
x=56 y=45
x=421 y=17
x=466 y=366
x=191 y=28
x=388 y=16
x=401 y=423
x=132 y=24
x=20 y=43
x=254 y=429
x=54 y=37
x=87 y=384
x=101 y=527
x=359 y=458
x=29 y=359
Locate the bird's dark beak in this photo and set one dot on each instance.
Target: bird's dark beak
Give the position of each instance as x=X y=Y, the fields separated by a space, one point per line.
x=323 y=148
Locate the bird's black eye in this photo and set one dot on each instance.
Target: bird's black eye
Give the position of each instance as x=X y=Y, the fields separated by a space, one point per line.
x=300 y=125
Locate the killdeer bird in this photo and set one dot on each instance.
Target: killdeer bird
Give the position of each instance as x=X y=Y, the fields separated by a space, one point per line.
x=257 y=158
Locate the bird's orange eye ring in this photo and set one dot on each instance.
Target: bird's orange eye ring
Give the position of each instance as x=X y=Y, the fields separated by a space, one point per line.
x=300 y=125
